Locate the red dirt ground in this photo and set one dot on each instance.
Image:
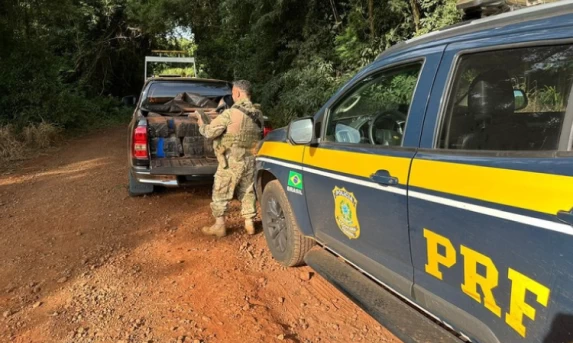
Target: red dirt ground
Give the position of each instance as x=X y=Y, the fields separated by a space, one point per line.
x=82 y=262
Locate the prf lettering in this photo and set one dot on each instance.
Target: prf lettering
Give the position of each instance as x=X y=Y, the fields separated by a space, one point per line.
x=446 y=257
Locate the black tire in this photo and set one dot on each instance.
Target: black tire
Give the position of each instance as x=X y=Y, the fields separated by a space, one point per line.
x=137 y=188
x=286 y=243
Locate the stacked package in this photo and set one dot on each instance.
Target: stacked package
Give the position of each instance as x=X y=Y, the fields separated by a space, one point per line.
x=185 y=127
x=175 y=137
x=173 y=147
x=208 y=146
x=158 y=126
x=166 y=147
x=193 y=146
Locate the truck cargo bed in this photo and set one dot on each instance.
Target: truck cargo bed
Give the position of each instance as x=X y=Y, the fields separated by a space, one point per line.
x=183 y=166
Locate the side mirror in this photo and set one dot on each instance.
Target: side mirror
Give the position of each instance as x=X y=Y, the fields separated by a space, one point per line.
x=130 y=100
x=301 y=131
x=520 y=99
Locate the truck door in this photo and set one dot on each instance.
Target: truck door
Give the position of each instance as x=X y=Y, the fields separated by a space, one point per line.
x=491 y=193
x=356 y=179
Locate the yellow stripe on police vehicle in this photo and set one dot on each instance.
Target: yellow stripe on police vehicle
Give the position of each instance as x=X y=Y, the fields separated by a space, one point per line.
x=513 y=188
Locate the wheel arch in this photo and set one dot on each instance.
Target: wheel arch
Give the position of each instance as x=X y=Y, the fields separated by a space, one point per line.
x=264 y=176
x=299 y=206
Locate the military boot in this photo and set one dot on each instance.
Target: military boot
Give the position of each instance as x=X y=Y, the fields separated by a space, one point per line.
x=218 y=229
x=249 y=226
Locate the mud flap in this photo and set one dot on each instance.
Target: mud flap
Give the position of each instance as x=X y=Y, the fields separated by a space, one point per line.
x=136 y=188
x=398 y=317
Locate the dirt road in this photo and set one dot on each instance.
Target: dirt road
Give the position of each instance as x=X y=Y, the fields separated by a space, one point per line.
x=81 y=262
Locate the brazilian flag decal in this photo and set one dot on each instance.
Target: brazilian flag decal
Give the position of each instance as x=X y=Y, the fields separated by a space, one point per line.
x=295 y=180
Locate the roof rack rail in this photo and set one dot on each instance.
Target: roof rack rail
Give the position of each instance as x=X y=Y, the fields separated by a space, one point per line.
x=476 y=9
x=179 y=58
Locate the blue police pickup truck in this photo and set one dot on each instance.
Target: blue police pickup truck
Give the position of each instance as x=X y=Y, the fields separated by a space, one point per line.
x=436 y=187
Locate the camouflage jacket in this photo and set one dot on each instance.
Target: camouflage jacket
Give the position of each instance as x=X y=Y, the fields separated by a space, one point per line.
x=239 y=127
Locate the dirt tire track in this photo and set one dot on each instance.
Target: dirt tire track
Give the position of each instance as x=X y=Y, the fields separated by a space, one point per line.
x=83 y=262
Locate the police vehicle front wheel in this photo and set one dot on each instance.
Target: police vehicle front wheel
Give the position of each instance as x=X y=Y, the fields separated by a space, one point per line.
x=286 y=243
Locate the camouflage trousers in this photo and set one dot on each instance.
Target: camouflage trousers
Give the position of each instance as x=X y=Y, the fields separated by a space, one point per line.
x=239 y=178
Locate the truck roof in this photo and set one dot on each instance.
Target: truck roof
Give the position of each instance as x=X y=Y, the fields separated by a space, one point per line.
x=519 y=20
x=184 y=79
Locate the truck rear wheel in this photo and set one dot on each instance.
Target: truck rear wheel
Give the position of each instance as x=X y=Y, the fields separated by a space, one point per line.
x=137 y=188
x=286 y=243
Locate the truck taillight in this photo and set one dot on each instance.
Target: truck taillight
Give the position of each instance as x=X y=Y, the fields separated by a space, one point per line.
x=140 y=143
x=266 y=131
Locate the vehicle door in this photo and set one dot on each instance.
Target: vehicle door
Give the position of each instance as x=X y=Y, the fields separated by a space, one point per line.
x=491 y=192
x=356 y=178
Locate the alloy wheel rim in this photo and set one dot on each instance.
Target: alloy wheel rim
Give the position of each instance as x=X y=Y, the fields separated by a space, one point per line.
x=276 y=224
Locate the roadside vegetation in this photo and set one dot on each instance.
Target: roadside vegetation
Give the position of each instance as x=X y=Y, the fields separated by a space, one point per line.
x=299 y=52
x=65 y=64
x=14 y=143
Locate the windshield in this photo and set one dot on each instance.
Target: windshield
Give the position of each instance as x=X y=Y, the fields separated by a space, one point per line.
x=160 y=92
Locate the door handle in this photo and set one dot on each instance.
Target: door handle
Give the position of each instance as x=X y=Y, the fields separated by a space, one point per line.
x=566 y=216
x=383 y=177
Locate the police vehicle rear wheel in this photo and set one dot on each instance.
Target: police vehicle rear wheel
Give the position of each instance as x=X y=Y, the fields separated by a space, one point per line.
x=286 y=243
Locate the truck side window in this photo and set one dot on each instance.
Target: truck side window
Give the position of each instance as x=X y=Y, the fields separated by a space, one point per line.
x=375 y=110
x=509 y=100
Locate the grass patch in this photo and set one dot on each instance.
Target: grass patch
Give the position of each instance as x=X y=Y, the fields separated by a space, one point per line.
x=40 y=136
x=16 y=144
x=10 y=146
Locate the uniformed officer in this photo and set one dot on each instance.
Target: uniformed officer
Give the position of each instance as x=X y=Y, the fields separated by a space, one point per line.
x=235 y=134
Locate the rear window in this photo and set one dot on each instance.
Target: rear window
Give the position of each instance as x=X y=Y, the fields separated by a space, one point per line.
x=163 y=91
x=509 y=100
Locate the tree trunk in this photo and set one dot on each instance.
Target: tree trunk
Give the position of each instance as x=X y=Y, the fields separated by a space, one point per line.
x=416 y=12
x=334 y=11
x=27 y=29
x=371 y=18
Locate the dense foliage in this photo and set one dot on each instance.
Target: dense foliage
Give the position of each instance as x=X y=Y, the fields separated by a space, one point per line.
x=61 y=61
x=65 y=61
x=298 y=52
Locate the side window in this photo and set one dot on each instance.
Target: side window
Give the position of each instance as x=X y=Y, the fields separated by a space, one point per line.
x=375 y=111
x=512 y=100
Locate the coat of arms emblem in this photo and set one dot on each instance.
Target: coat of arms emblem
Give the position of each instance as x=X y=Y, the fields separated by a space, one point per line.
x=345 y=212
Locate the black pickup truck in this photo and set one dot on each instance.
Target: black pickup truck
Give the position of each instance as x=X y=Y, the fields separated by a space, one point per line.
x=165 y=147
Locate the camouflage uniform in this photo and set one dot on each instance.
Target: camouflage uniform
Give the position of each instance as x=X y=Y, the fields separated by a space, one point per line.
x=235 y=135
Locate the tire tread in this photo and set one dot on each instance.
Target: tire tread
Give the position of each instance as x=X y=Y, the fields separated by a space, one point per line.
x=301 y=244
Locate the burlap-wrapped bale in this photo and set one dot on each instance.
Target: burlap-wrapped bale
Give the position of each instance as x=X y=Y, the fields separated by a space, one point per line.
x=185 y=127
x=193 y=146
x=153 y=147
x=158 y=127
x=172 y=147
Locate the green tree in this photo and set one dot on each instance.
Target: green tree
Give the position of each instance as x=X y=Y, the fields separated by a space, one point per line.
x=297 y=52
x=61 y=60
